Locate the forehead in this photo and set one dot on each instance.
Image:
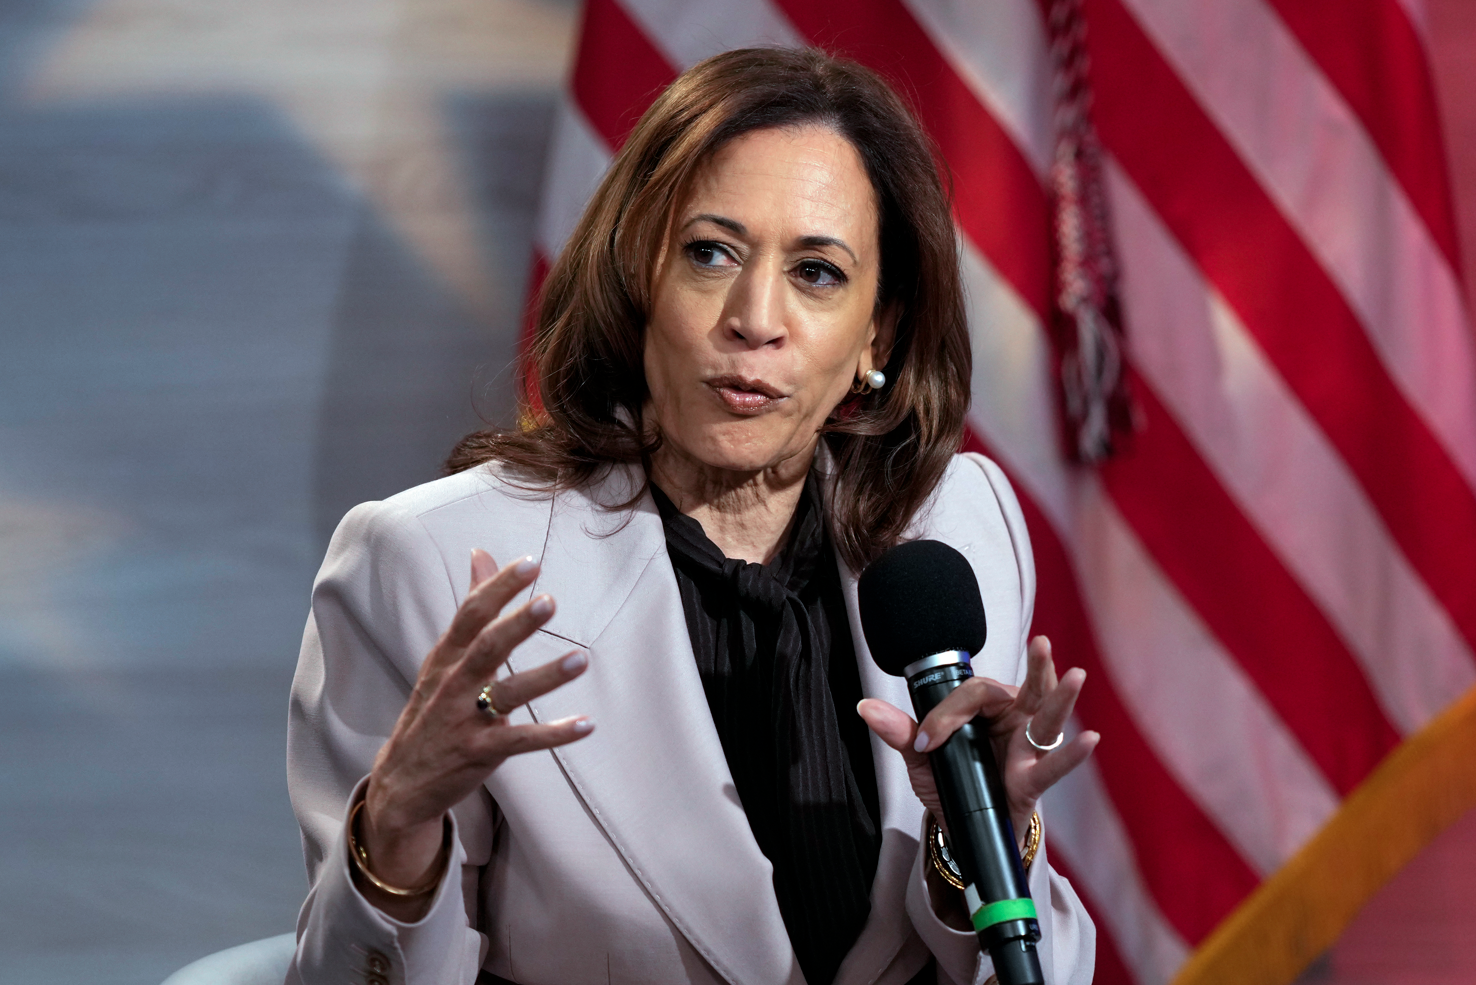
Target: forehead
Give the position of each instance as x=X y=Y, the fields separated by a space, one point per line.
x=794 y=181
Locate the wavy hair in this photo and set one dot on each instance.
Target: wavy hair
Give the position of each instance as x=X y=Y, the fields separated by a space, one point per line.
x=584 y=383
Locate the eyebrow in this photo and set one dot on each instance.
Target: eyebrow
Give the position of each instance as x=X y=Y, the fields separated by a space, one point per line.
x=737 y=227
x=813 y=241
x=719 y=220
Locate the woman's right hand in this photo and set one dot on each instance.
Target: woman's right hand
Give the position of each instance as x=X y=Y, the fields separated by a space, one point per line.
x=443 y=746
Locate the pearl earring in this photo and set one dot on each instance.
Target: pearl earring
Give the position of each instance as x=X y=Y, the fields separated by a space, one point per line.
x=876 y=379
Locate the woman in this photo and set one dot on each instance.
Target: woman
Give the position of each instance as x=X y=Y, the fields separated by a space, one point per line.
x=753 y=368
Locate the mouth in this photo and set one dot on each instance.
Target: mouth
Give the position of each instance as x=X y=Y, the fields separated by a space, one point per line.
x=742 y=395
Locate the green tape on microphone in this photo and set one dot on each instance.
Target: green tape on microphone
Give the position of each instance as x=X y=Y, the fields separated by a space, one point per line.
x=1006 y=909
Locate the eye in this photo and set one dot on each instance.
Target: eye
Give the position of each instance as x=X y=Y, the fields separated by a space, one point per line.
x=818 y=273
x=705 y=253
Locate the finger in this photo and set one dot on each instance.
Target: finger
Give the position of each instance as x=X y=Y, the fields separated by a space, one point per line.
x=483 y=566
x=521 y=688
x=1048 y=770
x=891 y=724
x=486 y=600
x=513 y=740
x=467 y=622
x=1050 y=718
x=498 y=638
x=1040 y=675
x=974 y=697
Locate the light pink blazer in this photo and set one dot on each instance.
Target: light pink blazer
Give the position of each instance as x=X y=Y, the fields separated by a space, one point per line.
x=626 y=856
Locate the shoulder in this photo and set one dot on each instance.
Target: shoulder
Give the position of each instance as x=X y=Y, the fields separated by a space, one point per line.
x=974 y=492
x=975 y=510
x=480 y=507
x=429 y=531
x=483 y=491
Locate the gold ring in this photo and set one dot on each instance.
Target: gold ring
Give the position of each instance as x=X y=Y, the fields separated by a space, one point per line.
x=485 y=703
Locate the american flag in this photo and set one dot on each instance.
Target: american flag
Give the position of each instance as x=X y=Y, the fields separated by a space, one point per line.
x=1274 y=586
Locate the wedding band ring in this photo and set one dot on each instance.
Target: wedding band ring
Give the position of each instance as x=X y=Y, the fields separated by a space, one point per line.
x=487 y=706
x=1060 y=737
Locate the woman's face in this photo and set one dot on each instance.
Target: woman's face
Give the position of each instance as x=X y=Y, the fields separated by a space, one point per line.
x=763 y=303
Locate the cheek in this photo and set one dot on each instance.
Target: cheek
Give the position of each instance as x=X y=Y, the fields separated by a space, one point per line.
x=672 y=337
x=836 y=361
x=830 y=376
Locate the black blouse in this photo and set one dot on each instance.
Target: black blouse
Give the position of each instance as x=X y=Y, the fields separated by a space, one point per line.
x=773 y=648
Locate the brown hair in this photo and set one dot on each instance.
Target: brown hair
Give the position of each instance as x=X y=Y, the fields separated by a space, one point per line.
x=586 y=385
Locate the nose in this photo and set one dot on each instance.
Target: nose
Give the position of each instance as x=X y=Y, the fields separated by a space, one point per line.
x=754 y=314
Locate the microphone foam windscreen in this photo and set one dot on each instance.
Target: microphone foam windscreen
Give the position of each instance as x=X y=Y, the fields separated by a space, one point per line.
x=918 y=599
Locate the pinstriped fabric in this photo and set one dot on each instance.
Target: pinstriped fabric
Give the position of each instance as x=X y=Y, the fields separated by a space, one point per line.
x=774 y=653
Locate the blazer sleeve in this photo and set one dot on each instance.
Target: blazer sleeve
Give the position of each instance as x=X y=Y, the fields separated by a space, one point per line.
x=1068 y=941
x=380 y=602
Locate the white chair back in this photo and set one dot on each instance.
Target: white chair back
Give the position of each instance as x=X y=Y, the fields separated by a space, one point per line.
x=262 y=962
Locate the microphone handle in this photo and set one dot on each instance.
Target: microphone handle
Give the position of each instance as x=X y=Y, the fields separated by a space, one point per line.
x=981 y=835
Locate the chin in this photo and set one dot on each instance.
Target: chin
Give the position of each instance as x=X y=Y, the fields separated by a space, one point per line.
x=738 y=448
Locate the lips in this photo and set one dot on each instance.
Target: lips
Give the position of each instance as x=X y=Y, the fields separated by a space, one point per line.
x=743 y=395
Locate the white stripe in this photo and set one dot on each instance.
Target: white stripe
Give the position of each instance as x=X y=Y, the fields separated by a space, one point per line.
x=999 y=50
x=577 y=159
x=1012 y=387
x=1083 y=826
x=1310 y=152
x=688 y=32
x=1290 y=483
x=1193 y=703
x=1207 y=722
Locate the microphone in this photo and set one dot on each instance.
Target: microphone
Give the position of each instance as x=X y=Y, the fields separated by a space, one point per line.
x=923 y=619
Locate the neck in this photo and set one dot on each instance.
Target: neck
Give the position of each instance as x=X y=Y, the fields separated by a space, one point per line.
x=747 y=514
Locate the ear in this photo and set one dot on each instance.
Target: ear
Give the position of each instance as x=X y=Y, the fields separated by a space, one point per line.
x=882 y=333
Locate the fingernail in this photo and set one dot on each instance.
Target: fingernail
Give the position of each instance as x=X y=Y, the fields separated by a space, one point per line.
x=526 y=566
x=921 y=743
x=584 y=726
x=573 y=662
x=543 y=605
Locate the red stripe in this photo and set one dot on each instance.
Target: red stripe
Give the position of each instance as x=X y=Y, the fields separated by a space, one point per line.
x=998 y=199
x=618 y=73
x=1194 y=874
x=1246 y=248
x=1111 y=969
x=1205 y=545
x=1372 y=54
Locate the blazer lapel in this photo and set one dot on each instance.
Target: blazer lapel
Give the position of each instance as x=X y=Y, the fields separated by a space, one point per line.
x=653 y=775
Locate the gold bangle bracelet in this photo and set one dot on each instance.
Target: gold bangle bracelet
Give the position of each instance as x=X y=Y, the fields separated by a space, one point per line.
x=359 y=856
x=1032 y=840
x=941 y=855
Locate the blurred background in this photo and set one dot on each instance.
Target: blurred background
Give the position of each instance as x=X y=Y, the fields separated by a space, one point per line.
x=260 y=262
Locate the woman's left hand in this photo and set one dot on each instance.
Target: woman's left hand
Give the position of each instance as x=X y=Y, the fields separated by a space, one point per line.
x=1042 y=703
